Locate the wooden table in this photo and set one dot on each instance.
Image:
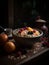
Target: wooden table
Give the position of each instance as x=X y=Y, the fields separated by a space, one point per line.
x=12 y=60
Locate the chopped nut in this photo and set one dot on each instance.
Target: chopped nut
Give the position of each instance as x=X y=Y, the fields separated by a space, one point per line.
x=18 y=58
x=9 y=56
x=14 y=58
x=23 y=56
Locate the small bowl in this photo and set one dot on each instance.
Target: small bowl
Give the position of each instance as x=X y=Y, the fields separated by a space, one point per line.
x=26 y=42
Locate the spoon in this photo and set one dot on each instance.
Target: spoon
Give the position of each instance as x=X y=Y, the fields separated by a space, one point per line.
x=2 y=29
x=7 y=31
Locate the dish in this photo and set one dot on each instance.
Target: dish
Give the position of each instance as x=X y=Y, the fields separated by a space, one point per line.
x=27 y=32
x=26 y=40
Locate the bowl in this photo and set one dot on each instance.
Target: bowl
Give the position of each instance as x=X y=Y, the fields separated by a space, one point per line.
x=26 y=42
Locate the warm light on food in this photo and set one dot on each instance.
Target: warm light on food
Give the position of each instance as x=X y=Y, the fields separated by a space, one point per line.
x=9 y=46
x=28 y=32
x=3 y=37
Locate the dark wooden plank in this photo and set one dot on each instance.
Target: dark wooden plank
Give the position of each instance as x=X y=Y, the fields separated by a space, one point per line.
x=34 y=56
x=4 y=60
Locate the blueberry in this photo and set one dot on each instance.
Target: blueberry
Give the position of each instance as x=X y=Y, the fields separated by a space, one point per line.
x=30 y=32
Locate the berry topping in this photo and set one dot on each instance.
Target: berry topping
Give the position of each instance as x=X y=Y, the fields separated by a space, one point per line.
x=30 y=32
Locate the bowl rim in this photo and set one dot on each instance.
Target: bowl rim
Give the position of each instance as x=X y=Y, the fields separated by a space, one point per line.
x=27 y=37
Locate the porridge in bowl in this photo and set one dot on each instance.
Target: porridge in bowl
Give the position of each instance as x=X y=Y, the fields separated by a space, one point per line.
x=27 y=32
x=27 y=36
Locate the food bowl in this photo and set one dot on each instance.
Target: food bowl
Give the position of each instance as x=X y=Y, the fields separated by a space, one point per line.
x=26 y=41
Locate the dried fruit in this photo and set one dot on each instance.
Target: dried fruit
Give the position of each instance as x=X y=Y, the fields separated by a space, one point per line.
x=3 y=38
x=9 y=46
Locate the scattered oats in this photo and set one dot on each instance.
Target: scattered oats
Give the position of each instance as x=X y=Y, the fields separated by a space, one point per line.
x=23 y=56
x=18 y=58
x=14 y=58
x=31 y=50
x=42 y=47
x=9 y=56
x=28 y=56
x=28 y=51
x=35 y=51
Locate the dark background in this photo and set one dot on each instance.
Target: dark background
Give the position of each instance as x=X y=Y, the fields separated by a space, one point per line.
x=27 y=11
x=24 y=12
x=4 y=13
